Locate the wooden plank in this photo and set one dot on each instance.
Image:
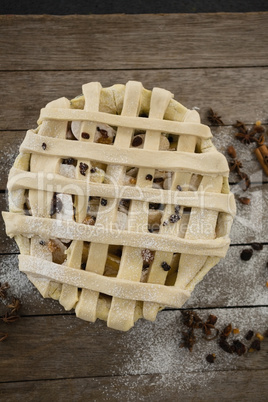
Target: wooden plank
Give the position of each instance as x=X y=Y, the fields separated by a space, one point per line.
x=218 y=289
x=231 y=92
x=217 y=386
x=223 y=137
x=9 y=148
x=64 y=347
x=133 y=41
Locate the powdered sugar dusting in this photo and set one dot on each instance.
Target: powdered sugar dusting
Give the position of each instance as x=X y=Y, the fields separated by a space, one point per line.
x=19 y=283
x=153 y=348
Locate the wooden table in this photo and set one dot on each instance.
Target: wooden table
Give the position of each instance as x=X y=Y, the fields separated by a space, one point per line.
x=206 y=60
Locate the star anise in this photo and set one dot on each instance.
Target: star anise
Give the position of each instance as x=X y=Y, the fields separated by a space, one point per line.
x=15 y=305
x=3 y=336
x=3 y=290
x=244 y=138
x=235 y=165
x=214 y=118
x=9 y=318
x=240 y=126
x=208 y=326
x=188 y=339
x=191 y=319
x=247 y=136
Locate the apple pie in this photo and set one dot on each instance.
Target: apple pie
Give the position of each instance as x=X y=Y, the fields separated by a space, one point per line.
x=119 y=203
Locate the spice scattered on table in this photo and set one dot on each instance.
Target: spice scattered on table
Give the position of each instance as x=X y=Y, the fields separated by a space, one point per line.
x=247 y=136
x=11 y=314
x=214 y=118
x=226 y=338
x=244 y=200
x=236 y=166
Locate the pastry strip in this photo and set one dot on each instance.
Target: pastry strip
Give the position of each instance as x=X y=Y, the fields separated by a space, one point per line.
x=131 y=261
x=42 y=180
x=209 y=163
x=116 y=287
x=87 y=307
x=30 y=226
x=134 y=122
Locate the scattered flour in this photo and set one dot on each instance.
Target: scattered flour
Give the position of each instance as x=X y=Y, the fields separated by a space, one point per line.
x=153 y=348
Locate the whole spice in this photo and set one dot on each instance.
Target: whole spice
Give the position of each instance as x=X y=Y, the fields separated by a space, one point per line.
x=244 y=200
x=3 y=290
x=15 y=305
x=247 y=136
x=235 y=165
x=188 y=340
x=231 y=151
x=9 y=318
x=149 y=177
x=3 y=336
x=246 y=254
x=226 y=331
x=44 y=146
x=262 y=155
x=208 y=326
x=214 y=118
x=191 y=319
x=93 y=170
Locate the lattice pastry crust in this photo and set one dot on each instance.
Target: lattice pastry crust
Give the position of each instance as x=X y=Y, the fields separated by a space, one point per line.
x=119 y=203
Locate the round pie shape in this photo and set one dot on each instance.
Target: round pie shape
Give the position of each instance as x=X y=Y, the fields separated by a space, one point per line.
x=119 y=203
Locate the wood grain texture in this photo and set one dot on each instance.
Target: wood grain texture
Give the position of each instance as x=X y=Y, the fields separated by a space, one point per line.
x=245 y=385
x=218 y=288
x=231 y=92
x=130 y=41
x=61 y=347
x=206 y=60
